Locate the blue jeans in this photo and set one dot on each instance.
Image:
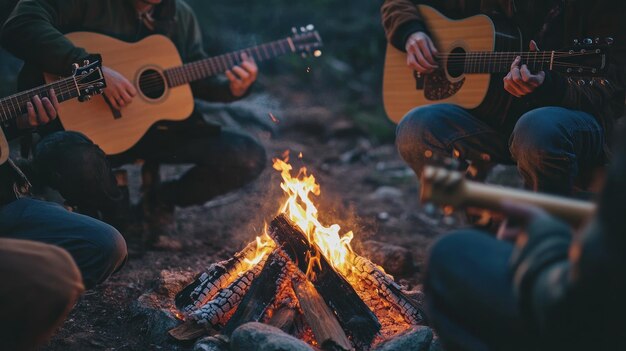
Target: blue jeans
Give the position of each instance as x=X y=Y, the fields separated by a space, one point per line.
x=97 y=248
x=469 y=294
x=550 y=144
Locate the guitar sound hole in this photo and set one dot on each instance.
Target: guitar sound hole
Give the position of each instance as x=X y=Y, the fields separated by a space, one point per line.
x=152 y=84
x=456 y=63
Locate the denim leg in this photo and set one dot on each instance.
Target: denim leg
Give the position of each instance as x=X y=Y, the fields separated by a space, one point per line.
x=72 y=164
x=551 y=145
x=469 y=293
x=444 y=128
x=223 y=161
x=96 y=247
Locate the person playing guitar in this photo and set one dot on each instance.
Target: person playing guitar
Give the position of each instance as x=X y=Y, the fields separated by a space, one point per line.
x=555 y=128
x=224 y=159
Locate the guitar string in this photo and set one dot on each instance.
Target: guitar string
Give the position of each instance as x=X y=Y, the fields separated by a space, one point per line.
x=61 y=87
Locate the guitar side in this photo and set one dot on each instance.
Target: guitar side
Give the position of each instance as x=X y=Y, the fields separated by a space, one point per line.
x=4 y=148
x=476 y=33
x=95 y=119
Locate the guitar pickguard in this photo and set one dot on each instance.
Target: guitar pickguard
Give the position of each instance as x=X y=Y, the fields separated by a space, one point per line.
x=438 y=87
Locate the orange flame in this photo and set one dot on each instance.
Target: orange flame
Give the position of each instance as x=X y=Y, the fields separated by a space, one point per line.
x=302 y=211
x=264 y=245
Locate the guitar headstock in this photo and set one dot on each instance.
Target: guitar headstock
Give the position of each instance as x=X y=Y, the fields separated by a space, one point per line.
x=89 y=79
x=442 y=186
x=587 y=57
x=306 y=40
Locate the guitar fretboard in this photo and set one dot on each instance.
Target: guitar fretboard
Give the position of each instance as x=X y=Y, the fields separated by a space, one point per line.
x=211 y=66
x=15 y=105
x=500 y=62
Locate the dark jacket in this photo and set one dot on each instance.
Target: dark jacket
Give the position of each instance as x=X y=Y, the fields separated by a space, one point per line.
x=34 y=33
x=571 y=289
x=603 y=98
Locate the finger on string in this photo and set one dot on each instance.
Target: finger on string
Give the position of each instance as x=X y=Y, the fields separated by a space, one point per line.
x=249 y=66
x=516 y=62
x=51 y=112
x=425 y=52
x=527 y=76
x=416 y=66
x=242 y=73
x=38 y=106
x=433 y=49
x=31 y=114
x=231 y=77
x=54 y=99
x=423 y=61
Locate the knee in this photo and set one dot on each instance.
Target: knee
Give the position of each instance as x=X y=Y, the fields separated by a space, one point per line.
x=537 y=133
x=443 y=258
x=414 y=128
x=108 y=253
x=251 y=158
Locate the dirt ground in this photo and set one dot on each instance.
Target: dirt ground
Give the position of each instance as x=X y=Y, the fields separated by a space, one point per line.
x=365 y=188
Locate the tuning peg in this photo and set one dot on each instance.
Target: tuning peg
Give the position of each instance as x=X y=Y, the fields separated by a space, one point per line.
x=294 y=30
x=596 y=40
x=587 y=41
x=576 y=41
x=609 y=40
x=75 y=66
x=302 y=29
x=85 y=62
x=310 y=27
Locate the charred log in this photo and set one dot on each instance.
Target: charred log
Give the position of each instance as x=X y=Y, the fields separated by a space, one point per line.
x=213 y=312
x=374 y=278
x=218 y=276
x=353 y=314
x=262 y=292
x=323 y=322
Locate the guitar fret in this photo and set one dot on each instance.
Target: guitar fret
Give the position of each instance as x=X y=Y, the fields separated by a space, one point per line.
x=273 y=49
x=265 y=51
x=258 y=53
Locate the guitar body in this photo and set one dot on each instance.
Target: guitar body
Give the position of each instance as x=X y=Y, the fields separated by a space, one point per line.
x=4 y=148
x=403 y=90
x=116 y=133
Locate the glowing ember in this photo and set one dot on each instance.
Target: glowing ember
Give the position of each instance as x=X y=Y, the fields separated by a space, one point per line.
x=302 y=211
x=273 y=118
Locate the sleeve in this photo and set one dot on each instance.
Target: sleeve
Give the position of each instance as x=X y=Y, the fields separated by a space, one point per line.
x=401 y=19
x=216 y=88
x=33 y=34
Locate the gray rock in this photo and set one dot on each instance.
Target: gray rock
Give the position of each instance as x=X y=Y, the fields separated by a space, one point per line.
x=263 y=337
x=386 y=193
x=155 y=322
x=436 y=345
x=211 y=343
x=416 y=339
x=396 y=260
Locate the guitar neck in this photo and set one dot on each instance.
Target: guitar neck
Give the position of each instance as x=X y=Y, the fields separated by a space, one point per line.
x=14 y=106
x=500 y=62
x=211 y=66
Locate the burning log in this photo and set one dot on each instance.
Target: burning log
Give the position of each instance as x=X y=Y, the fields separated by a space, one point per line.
x=352 y=313
x=320 y=318
x=283 y=318
x=213 y=312
x=218 y=276
x=262 y=292
x=373 y=277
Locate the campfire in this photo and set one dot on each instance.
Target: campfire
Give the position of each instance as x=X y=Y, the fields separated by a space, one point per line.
x=302 y=276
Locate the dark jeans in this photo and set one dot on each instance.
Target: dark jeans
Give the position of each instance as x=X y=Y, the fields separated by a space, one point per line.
x=96 y=247
x=469 y=294
x=223 y=160
x=550 y=144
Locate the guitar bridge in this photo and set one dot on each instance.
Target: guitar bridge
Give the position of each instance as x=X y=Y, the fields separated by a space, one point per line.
x=419 y=80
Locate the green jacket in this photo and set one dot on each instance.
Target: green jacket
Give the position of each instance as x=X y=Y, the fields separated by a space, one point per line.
x=34 y=33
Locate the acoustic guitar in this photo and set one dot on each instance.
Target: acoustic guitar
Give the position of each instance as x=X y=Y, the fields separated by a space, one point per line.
x=449 y=188
x=474 y=55
x=84 y=82
x=155 y=68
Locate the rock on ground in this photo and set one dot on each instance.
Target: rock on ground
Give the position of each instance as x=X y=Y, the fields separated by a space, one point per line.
x=417 y=339
x=211 y=343
x=262 y=337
